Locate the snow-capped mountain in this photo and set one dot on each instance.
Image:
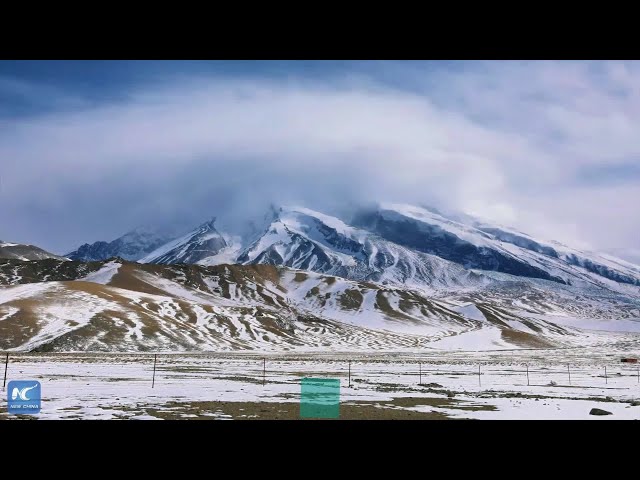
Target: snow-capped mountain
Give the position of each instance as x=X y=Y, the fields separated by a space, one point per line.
x=397 y=277
x=491 y=248
x=604 y=265
x=411 y=246
x=426 y=231
x=23 y=252
x=131 y=246
x=200 y=245
x=307 y=240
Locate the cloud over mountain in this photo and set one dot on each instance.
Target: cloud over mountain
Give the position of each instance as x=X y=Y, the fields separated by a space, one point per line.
x=546 y=146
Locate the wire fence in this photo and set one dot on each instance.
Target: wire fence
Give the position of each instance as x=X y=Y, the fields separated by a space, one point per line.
x=159 y=368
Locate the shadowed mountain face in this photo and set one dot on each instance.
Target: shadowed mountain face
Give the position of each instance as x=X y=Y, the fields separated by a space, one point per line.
x=307 y=240
x=484 y=247
x=434 y=240
x=131 y=246
x=571 y=258
x=200 y=244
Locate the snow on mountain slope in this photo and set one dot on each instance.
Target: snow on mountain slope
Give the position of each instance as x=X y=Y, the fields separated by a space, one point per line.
x=416 y=247
x=428 y=232
x=227 y=255
x=423 y=215
x=137 y=307
x=523 y=301
x=488 y=338
x=604 y=265
x=22 y=291
x=470 y=310
x=82 y=316
x=196 y=246
x=131 y=246
x=303 y=239
x=369 y=305
x=25 y=252
x=491 y=248
x=104 y=275
x=400 y=277
x=182 y=307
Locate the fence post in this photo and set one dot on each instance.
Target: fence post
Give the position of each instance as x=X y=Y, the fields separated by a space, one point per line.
x=420 y=372
x=479 y=381
x=605 y=375
x=569 y=371
x=153 y=382
x=638 y=374
x=527 y=374
x=349 y=373
x=6 y=365
x=264 y=371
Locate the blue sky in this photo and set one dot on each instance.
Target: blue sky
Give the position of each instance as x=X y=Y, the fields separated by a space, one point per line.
x=92 y=149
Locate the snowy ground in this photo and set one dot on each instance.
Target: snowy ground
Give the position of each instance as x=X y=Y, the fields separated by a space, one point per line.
x=108 y=386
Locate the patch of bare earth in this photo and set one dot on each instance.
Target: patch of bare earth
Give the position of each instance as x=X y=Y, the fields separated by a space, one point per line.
x=524 y=339
x=126 y=278
x=284 y=411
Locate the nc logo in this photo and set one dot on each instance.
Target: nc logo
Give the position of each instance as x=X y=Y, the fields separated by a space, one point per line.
x=22 y=393
x=24 y=396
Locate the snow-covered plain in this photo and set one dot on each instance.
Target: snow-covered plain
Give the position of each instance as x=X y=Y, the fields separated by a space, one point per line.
x=110 y=386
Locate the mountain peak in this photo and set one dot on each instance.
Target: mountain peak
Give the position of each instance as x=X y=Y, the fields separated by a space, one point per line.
x=392 y=241
x=209 y=225
x=198 y=245
x=131 y=246
x=18 y=251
